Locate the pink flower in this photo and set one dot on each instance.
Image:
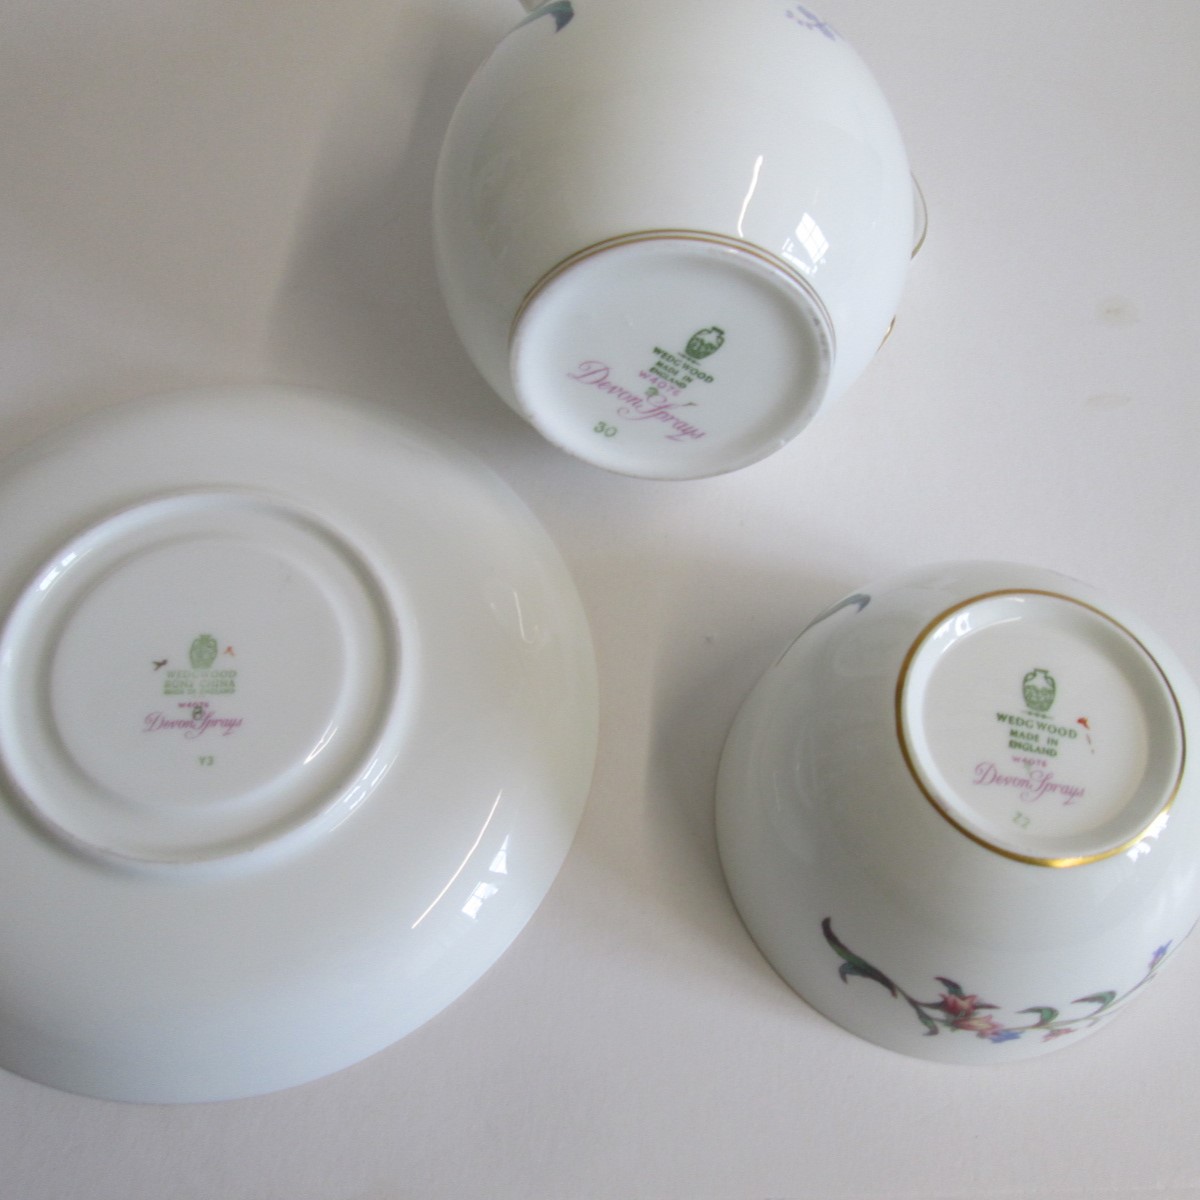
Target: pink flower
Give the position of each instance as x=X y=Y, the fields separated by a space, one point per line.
x=958 y=1006
x=980 y=1024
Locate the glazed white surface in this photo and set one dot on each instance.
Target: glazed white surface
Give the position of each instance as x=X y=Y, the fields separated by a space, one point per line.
x=227 y=194
x=339 y=794
x=757 y=124
x=871 y=882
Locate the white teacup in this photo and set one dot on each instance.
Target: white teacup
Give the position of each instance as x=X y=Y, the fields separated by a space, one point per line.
x=955 y=814
x=669 y=232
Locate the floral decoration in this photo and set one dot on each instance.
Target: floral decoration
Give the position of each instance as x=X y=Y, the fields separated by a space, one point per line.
x=563 y=12
x=959 y=1011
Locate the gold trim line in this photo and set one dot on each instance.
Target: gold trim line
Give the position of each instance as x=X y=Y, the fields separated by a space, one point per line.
x=1032 y=860
x=681 y=235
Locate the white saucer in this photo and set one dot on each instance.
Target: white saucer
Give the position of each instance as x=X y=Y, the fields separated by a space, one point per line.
x=297 y=721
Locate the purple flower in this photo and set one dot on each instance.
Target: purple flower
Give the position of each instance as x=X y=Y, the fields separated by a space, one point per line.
x=810 y=20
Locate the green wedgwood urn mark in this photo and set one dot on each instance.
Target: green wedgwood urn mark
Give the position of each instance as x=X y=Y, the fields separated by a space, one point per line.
x=706 y=342
x=1039 y=688
x=203 y=652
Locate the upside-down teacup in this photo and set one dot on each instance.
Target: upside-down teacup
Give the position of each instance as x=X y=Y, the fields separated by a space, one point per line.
x=669 y=233
x=957 y=817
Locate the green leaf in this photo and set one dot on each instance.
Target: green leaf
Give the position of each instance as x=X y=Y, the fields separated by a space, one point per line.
x=1046 y=1016
x=951 y=987
x=864 y=969
x=1103 y=999
x=931 y=1026
x=853 y=965
x=563 y=12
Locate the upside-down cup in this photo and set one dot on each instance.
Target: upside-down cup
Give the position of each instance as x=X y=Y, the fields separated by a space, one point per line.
x=956 y=815
x=669 y=233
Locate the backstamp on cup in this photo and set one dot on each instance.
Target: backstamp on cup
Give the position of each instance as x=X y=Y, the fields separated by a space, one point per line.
x=1041 y=728
x=671 y=355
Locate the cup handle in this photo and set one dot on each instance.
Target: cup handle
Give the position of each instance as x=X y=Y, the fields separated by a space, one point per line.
x=920 y=218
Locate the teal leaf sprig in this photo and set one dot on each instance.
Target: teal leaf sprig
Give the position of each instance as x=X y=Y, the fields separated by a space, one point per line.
x=563 y=12
x=958 y=1011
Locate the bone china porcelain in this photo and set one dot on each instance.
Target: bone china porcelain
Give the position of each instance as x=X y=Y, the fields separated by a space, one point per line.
x=297 y=720
x=669 y=232
x=955 y=815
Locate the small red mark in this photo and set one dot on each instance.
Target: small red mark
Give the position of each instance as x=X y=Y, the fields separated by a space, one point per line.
x=229 y=651
x=1084 y=722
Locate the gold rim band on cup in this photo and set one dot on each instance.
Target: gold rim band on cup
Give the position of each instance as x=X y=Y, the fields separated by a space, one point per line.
x=1033 y=860
x=680 y=235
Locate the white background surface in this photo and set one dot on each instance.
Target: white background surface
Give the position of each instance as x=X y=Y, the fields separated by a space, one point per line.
x=212 y=192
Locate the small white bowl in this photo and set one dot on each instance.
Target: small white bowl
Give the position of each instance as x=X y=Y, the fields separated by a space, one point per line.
x=297 y=721
x=955 y=815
